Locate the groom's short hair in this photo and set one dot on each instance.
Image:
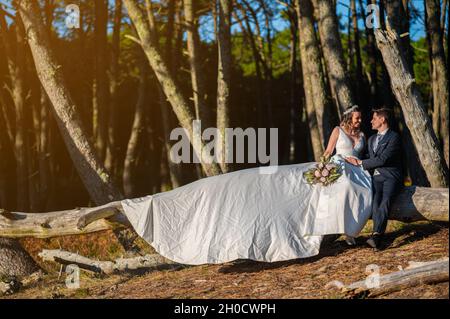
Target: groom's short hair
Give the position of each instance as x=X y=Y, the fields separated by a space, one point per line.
x=385 y=113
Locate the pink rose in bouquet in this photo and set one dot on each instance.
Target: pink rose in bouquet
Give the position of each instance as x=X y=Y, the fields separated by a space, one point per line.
x=325 y=172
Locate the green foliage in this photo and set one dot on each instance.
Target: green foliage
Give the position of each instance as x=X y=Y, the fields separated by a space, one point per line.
x=242 y=53
x=422 y=68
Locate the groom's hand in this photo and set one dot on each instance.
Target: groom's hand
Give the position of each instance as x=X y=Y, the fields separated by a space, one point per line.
x=351 y=160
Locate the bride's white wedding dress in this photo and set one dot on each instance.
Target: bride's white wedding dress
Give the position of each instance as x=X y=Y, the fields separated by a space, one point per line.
x=251 y=215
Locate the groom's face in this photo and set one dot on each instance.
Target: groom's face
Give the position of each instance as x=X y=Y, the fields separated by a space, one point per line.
x=377 y=121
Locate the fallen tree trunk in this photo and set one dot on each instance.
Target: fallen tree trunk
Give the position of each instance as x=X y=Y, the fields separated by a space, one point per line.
x=420 y=203
x=146 y=262
x=11 y=285
x=68 y=222
x=427 y=273
x=412 y=204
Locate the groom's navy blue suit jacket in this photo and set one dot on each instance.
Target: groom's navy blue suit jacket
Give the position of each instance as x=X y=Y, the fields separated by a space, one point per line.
x=386 y=158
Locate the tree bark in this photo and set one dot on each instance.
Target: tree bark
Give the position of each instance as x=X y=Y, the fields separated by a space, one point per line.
x=112 y=155
x=268 y=60
x=101 y=86
x=333 y=53
x=147 y=262
x=224 y=80
x=429 y=273
x=170 y=88
x=45 y=157
x=296 y=107
x=311 y=63
x=14 y=260
x=4 y=163
x=398 y=17
x=311 y=118
x=408 y=95
x=357 y=48
x=371 y=60
x=174 y=170
x=94 y=176
x=259 y=63
x=15 y=58
x=202 y=111
x=137 y=129
x=412 y=204
x=439 y=75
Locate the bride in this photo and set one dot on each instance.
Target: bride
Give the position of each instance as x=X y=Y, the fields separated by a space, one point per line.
x=263 y=217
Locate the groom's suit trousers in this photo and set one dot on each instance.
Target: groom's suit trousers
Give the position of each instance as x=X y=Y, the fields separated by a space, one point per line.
x=384 y=192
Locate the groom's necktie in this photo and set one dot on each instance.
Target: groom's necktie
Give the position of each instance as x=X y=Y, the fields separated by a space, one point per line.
x=375 y=143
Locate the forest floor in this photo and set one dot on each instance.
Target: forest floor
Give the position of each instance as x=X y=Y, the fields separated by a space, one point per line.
x=300 y=278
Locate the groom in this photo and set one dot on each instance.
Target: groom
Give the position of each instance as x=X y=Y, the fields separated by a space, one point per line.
x=385 y=165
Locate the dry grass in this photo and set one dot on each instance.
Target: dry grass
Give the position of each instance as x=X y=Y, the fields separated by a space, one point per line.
x=301 y=278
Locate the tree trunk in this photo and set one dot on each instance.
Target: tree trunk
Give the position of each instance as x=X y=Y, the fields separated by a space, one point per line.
x=439 y=75
x=202 y=111
x=44 y=150
x=224 y=80
x=268 y=61
x=408 y=95
x=428 y=273
x=258 y=60
x=371 y=60
x=15 y=58
x=112 y=155
x=4 y=163
x=174 y=170
x=146 y=263
x=94 y=176
x=357 y=48
x=170 y=88
x=101 y=86
x=350 y=49
x=14 y=260
x=311 y=64
x=333 y=53
x=129 y=171
x=398 y=17
x=311 y=118
x=296 y=107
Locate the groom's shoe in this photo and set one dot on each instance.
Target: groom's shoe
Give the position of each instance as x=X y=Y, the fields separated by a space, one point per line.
x=350 y=240
x=374 y=241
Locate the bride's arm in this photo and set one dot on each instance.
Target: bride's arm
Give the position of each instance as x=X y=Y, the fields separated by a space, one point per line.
x=332 y=142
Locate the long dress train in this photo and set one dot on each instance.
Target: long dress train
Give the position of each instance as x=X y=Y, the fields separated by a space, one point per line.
x=263 y=214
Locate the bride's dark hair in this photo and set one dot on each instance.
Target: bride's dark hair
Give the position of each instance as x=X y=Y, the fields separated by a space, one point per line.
x=347 y=117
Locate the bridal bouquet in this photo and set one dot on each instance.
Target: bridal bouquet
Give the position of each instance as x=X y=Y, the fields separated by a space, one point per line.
x=325 y=172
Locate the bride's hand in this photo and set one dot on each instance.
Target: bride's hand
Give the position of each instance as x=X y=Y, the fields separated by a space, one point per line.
x=351 y=160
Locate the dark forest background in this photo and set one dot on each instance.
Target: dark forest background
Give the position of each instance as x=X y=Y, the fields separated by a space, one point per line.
x=236 y=63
